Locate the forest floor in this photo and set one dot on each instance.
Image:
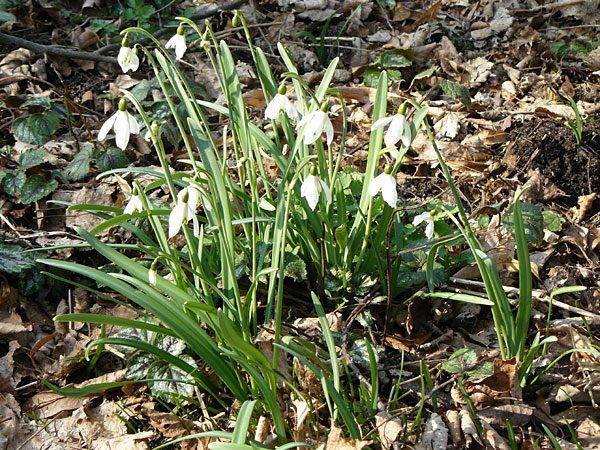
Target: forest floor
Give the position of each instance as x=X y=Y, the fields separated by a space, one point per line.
x=520 y=62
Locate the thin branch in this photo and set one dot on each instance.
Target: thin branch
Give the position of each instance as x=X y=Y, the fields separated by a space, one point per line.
x=204 y=14
x=55 y=50
x=98 y=55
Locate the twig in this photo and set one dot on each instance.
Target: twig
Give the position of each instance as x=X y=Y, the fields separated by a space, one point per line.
x=537 y=293
x=204 y=14
x=98 y=55
x=56 y=50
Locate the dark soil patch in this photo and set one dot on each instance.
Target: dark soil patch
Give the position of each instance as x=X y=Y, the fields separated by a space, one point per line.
x=550 y=146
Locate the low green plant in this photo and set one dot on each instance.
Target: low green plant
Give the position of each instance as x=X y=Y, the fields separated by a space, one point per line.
x=390 y=61
x=319 y=44
x=577 y=124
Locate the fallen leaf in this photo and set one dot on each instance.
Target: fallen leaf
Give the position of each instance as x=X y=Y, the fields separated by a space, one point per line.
x=335 y=441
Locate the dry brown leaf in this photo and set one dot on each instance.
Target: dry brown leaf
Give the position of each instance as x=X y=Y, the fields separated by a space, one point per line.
x=541 y=188
x=585 y=204
x=388 y=427
x=335 y=441
x=588 y=433
x=453 y=421
x=137 y=441
x=518 y=414
x=11 y=323
x=435 y=434
x=493 y=439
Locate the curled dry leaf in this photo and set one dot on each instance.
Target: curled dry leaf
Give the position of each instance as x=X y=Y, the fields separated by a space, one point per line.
x=335 y=441
x=435 y=435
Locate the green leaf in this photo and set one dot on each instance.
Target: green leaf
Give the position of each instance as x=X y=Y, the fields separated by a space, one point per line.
x=37 y=129
x=3 y=173
x=79 y=167
x=44 y=123
x=460 y=360
x=295 y=267
x=457 y=91
x=14 y=182
x=552 y=220
x=37 y=187
x=43 y=101
x=32 y=157
x=7 y=17
x=371 y=76
x=422 y=76
x=112 y=159
x=533 y=223
x=14 y=260
x=31 y=280
x=168 y=387
x=394 y=74
x=396 y=59
x=140 y=90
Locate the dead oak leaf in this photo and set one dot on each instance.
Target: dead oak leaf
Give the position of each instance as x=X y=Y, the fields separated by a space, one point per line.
x=335 y=441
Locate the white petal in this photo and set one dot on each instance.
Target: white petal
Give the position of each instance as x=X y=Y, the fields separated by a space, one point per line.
x=310 y=191
x=193 y=197
x=107 y=127
x=130 y=207
x=176 y=219
x=195 y=224
x=394 y=132
x=134 y=127
x=152 y=277
x=206 y=204
x=429 y=229
x=381 y=123
x=425 y=216
x=376 y=185
x=388 y=190
x=407 y=134
x=290 y=109
x=121 y=129
x=326 y=191
x=275 y=105
x=314 y=128
x=328 y=130
x=304 y=120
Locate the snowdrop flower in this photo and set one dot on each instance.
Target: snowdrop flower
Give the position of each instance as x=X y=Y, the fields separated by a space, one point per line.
x=152 y=274
x=316 y=123
x=127 y=58
x=183 y=212
x=399 y=128
x=428 y=219
x=205 y=43
x=280 y=103
x=178 y=43
x=153 y=130
x=123 y=123
x=386 y=184
x=135 y=203
x=311 y=189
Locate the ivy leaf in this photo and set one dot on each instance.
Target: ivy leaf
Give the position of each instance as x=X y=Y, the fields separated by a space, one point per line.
x=37 y=129
x=396 y=59
x=533 y=223
x=43 y=101
x=166 y=390
x=14 y=260
x=79 y=167
x=32 y=157
x=140 y=90
x=371 y=76
x=44 y=123
x=37 y=187
x=552 y=221
x=14 y=182
x=112 y=159
x=457 y=91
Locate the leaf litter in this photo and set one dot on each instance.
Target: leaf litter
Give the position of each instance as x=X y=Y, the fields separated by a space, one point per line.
x=496 y=77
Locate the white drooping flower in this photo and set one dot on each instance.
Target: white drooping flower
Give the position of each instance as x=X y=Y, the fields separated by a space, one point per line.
x=178 y=43
x=134 y=205
x=428 y=219
x=127 y=59
x=311 y=189
x=123 y=123
x=280 y=103
x=152 y=275
x=399 y=128
x=316 y=123
x=386 y=184
x=183 y=212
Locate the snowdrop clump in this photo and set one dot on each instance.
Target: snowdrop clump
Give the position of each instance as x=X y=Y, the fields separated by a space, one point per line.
x=123 y=123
